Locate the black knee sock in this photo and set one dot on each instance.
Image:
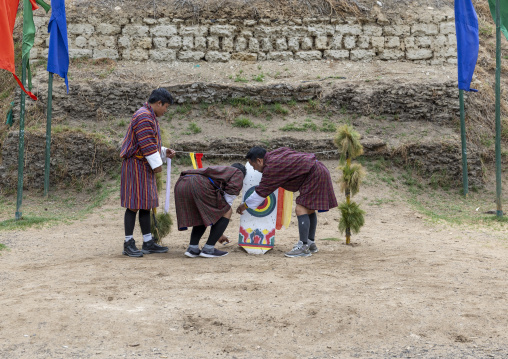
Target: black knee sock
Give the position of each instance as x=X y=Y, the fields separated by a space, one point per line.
x=313 y=225
x=129 y=221
x=303 y=227
x=217 y=231
x=196 y=234
x=144 y=221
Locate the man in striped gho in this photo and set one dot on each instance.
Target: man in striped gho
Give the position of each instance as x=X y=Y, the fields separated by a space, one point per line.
x=143 y=155
x=293 y=171
x=203 y=197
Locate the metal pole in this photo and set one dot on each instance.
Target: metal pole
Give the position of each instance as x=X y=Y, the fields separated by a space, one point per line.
x=21 y=151
x=465 y=184
x=48 y=133
x=499 y=210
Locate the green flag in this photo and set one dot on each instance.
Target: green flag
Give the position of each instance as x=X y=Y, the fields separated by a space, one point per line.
x=29 y=31
x=10 y=118
x=503 y=10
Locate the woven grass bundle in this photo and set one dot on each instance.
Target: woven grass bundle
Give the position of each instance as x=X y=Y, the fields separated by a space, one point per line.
x=352 y=217
x=164 y=223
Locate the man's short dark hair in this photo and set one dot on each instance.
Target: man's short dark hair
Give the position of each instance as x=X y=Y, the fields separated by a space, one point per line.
x=240 y=167
x=162 y=95
x=255 y=153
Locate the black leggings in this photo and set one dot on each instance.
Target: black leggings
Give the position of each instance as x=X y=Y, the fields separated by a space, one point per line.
x=130 y=221
x=216 y=232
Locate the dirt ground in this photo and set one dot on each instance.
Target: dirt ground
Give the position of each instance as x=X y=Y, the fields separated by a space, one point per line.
x=406 y=288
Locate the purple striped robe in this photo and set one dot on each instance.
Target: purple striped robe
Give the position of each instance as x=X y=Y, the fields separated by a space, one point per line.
x=138 y=186
x=298 y=171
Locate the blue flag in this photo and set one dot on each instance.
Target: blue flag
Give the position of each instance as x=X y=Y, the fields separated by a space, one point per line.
x=468 y=42
x=58 y=54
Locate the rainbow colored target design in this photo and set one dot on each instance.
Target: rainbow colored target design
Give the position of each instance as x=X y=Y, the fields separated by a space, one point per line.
x=265 y=208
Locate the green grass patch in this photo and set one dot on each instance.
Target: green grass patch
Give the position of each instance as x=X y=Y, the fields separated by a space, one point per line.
x=183 y=109
x=243 y=122
x=380 y=201
x=259 y=78
x=183 y=160
x=279 y=109
x=65 y=205
x=308 y=125
x=240 y=78
x=328 y=126
x=242 y=101
x=24 y=222
x=194 y=128
x=3 y=247
x=204 y=106
x=293 y=127
x=312 y=106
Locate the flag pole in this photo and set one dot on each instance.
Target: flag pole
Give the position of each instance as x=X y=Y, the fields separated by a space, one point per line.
x=48 y=133
x=499 y=210
x=465 y=184
x=21 y=151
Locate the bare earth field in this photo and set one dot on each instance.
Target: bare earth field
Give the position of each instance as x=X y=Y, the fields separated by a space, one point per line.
x=408 y=287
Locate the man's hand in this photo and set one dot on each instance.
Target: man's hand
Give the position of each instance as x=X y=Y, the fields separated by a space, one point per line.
x=158 y=169
x=170 y=153
x=224 y=240
x=241 y=208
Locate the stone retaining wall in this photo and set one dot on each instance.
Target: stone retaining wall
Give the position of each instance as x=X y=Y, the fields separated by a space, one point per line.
x=430 y=39
x=434 y=102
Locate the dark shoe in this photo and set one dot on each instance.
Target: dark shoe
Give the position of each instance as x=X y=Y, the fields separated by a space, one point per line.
x=130 y=249
x=152 y=247
x=213 y=254
x=312 y=247
x=192 y=253
x=299 y=250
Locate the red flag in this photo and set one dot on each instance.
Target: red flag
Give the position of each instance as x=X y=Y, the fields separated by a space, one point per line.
x=199 y=156
x=8 y=10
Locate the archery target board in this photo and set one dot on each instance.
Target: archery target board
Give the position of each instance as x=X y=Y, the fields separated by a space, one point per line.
x=257 y=225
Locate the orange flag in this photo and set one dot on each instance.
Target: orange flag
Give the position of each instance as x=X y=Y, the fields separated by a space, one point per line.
x=8 y=10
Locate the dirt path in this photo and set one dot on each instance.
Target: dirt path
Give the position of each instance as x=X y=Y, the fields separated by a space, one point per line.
x=407 y=288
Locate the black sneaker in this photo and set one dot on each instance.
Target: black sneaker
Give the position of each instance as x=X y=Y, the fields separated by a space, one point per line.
x=213 y=254
x=152 y=247
x=192 y=253
x=130 y=249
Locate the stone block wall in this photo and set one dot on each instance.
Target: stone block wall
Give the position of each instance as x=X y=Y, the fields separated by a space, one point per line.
x=426 y=40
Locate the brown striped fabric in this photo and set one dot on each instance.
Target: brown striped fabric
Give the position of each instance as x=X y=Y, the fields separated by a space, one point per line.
x=198 y=201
